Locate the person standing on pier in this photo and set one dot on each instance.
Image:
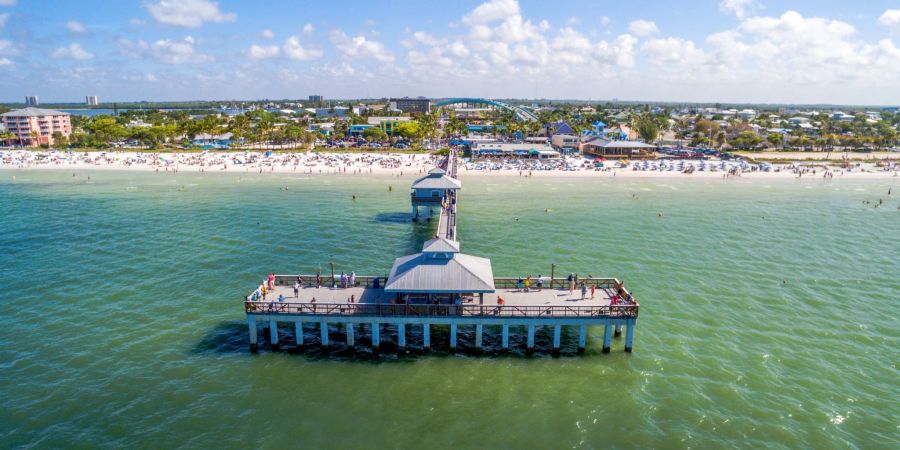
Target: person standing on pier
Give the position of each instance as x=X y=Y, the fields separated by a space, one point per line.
x=571 y=280
x=352 y=279
x=593 y=288
x=271 y=280
x=343 y=281
x=583 y=290
x=540 y=282
x=297 y=289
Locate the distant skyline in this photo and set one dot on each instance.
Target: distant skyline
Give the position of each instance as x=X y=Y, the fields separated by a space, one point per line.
x=729 y=51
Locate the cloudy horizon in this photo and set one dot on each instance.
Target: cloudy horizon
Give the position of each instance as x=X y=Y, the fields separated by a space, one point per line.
x=728 y=51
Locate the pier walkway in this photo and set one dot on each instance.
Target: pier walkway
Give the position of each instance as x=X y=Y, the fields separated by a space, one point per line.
x=442 y=286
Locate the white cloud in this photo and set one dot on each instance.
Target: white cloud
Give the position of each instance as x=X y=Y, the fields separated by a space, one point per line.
x=425 y=38
x=671 y=51
x=267 y=34
x=3 y=18
x=360 y=47
x=75 y=26
x=308 y=28
x=136 y=22
x=643 y=28
x=7 y=48
x=294 y=50
x=73 y=51
x=573 y=20
x=166 y=51
x=7 y=2
x=188 y=13
x=491 y=11
x=891 y=17
x=263 y=51
x=739 y=7
x=604 y=21
x=5 y=62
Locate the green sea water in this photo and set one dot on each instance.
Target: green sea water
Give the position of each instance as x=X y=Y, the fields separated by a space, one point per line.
x=769 y=314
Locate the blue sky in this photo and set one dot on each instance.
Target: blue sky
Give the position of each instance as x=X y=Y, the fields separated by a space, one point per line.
x=711 y=50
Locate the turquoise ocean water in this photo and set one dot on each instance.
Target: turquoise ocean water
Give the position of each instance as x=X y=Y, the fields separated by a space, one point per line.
x=769 y=314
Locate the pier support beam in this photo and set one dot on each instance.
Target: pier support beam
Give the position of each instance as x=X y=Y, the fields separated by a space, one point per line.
x=629 y=336
x=351 y=339
x=401 y=336
x=557 y=331
x=479 y=328
x=251 y=324
x=426 y=336
x=582 y=338
x=452 y=336
x=505 y=340
x=324 y=328
x=273 y=333
x=376 y=339
x=607 y=337
x=618 y=332
x=298 y=333
x=530 y=345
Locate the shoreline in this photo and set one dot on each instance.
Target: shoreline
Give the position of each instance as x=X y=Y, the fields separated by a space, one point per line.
x=398 y=164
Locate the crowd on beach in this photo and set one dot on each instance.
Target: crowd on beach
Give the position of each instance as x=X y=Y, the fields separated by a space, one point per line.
x=260 y=162
x=310 y=162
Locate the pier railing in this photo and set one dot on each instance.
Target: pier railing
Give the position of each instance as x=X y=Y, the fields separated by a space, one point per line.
x=425 y=310
x=310 y=280
x=499 y=282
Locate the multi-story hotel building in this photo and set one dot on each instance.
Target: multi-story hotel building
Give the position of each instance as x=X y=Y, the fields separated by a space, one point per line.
x=44 y=122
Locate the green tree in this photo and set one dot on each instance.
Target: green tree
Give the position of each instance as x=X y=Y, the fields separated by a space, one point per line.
x=374 y=134
x=775 y=139
x=648 y=129
x=59 y=140
x=408 y=130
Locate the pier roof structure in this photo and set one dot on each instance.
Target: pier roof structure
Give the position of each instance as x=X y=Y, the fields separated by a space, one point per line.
x=440 y=268
x=437 y=179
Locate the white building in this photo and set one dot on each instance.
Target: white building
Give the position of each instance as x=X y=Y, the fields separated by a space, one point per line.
x=91 y=100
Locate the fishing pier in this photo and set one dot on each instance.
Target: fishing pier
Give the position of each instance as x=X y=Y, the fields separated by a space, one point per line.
x=440 y=286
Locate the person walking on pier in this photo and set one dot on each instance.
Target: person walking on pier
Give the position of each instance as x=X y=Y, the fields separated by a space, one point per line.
x=343 y=281
x=271 y=280
x=593 y=287
x=540 y=282
x=318 y=280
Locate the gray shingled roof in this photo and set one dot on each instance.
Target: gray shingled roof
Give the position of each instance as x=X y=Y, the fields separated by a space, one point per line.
x=460 y=274
x=32 y=112
x=440 y=244
x=437 y=181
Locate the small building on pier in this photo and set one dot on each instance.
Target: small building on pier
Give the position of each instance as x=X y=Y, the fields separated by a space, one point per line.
x=433 y=189
x=440 y=274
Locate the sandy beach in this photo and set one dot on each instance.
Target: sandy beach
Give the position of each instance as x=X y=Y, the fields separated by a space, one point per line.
x=398 y=164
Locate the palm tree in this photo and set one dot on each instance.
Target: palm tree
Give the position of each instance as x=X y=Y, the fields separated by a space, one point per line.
x=7 y=136
x=34 y=138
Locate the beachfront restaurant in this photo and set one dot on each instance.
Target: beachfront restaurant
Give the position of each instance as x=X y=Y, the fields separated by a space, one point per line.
x=604 y=148
x=440 y=275
x=513 y=151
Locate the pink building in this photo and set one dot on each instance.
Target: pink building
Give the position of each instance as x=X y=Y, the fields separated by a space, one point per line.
x=22 y=122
